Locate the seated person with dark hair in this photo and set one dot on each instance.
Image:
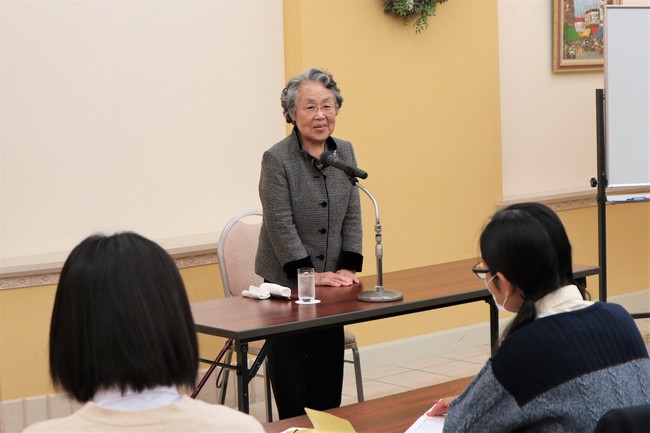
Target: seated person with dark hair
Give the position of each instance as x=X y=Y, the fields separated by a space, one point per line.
x=564 y=360
x=122 y=340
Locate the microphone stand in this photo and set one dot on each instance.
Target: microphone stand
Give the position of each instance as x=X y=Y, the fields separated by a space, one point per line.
x=379 y=294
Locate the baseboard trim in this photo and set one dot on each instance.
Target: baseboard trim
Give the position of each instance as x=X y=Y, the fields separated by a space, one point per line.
x=424 y=346
x=635 y=302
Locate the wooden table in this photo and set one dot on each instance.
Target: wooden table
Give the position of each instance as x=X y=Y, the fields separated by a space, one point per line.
x=424 y=288
x=391 y=414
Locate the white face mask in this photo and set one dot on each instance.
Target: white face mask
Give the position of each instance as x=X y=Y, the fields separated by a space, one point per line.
x=500 y=307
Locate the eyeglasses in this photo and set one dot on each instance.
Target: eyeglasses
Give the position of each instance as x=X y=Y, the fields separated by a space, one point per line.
x=312 y=109
x=481 y=270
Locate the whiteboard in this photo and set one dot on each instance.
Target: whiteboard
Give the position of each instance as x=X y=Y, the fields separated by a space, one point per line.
x=627 y=95
x=150 y=116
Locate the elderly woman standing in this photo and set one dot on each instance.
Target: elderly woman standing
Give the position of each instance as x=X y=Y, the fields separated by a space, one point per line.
x=312 y=218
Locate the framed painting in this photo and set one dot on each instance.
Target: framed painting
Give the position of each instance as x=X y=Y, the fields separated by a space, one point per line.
x=578 y=34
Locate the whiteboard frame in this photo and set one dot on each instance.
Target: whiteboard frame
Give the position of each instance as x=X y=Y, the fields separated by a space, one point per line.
x=627 y=112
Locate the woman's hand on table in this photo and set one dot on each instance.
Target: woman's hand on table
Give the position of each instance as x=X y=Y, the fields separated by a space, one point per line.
x=440 y=407
x=349 y=274
x=339 y=278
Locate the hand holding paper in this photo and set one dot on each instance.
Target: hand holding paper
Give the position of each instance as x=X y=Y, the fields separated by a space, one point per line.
x=433 y=420
x=427 y=424
x=440 y=407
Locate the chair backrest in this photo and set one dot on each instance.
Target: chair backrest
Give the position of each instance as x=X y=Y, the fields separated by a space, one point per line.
x=635 y=419
x=237 y=248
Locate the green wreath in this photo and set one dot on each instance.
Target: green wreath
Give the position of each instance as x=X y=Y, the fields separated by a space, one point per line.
x=407 y=9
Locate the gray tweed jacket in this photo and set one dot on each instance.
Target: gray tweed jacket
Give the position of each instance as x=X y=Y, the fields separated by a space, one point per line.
x=312 y=216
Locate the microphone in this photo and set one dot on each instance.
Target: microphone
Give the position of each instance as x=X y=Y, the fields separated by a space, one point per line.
x=328 y=158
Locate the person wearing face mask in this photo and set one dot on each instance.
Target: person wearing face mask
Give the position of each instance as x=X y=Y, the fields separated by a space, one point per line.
x=563 y=361
x=311 y=218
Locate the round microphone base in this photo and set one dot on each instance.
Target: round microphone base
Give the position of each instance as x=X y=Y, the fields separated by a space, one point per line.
x=380 y=296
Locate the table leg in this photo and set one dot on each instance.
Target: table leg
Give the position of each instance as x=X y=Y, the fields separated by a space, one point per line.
x=242 y=376
x=494 y=325
x=245 y=374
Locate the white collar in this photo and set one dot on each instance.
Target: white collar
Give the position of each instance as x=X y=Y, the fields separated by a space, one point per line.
x=131 y=400
x=562 y=300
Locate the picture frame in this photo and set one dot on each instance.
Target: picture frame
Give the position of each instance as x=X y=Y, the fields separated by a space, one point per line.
x=578 y=27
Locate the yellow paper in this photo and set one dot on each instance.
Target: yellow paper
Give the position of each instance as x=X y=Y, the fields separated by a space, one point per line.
x=324 y=422
x=298 y=430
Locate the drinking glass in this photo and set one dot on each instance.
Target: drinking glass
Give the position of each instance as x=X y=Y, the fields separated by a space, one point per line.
x=306 y=285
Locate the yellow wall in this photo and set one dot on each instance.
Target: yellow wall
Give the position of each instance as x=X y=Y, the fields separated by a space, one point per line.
x=628 y=246
x=24 y=330
x=423 y=113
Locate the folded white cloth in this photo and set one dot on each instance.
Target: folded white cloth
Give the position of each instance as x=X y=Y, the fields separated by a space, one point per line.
x=276 y=290
x=256 y=293
x=266 y=290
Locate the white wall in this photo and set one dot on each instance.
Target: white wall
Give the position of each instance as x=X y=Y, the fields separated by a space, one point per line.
x=548 y=120
x=133 y=115
x=128 y=115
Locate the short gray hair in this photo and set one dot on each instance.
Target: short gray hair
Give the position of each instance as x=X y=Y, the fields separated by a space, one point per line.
x=289 y=94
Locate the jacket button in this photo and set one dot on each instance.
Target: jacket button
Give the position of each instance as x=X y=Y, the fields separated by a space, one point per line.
x=322 y=231
x=320 y=257
x=323 y=204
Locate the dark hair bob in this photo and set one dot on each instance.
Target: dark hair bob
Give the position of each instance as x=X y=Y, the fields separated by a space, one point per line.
x=121 y=319
x=529 y=245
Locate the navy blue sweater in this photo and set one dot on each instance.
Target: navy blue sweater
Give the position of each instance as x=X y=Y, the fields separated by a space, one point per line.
x=558 y=374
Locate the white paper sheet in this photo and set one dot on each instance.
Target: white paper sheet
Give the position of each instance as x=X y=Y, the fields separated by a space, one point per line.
x=428 y=424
